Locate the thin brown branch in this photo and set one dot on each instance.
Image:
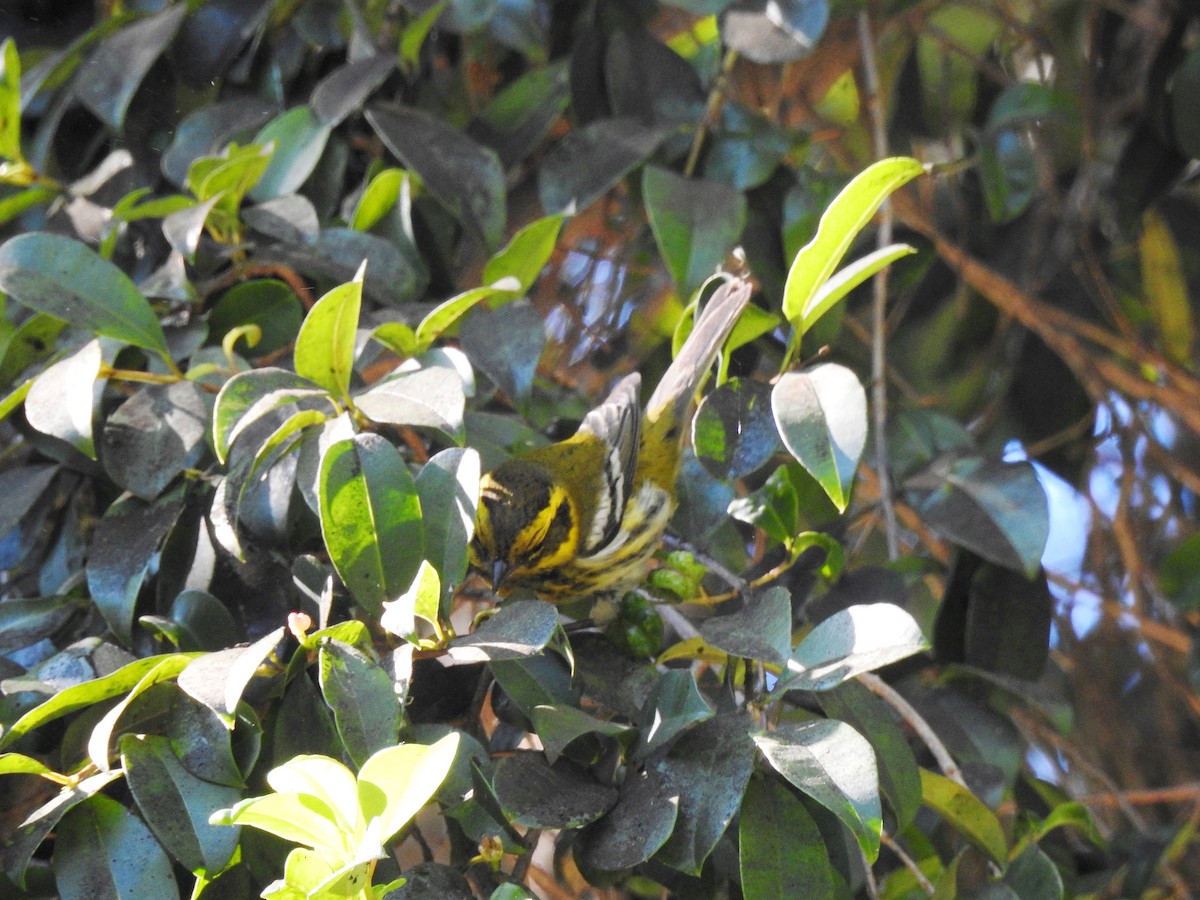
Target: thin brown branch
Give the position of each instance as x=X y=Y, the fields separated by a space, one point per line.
x=909 y=863
x=917 y=723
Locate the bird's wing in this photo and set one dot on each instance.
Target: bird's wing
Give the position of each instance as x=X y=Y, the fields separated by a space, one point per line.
x=617 y=422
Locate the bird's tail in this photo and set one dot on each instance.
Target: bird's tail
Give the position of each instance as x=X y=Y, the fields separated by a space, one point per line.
x=681 y=380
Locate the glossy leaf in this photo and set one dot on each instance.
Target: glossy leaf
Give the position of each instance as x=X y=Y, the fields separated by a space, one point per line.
x=364 y=704
x=206 y=130
x=101 y=743
x=535 y=794
x=517 y=630
x=268 y=303
x=427 y=398
x=557 y=727
x=832 y=763
x=64 y=278
x=62 y=400
x=176 y=804
x=780 y=850
x=966 y=813
x=642 y=820
x=154 y=435
x=506 y=345
x=761 y=630
x=850 y=642
x=110 y=76
x=524 y=257
x=344 y=90
x=126 y=542
x=10 y=101
x=821 y=415
x=840 y=224
x=104 y=851
x=696 y=223
x=396 y=782
x=25 y=621
x=448 y=486
x=464 y=176
x=248 y=396
x=219 y=680
x=325 y=346
x=733 y=431
x=674 y=705
x=589 y=161
x=299 y=138
x=370 y=518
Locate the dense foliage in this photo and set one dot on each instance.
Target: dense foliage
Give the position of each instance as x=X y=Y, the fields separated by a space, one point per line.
x=281 y=279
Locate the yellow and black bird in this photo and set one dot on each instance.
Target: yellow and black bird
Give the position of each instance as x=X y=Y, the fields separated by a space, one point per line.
x=583 y=516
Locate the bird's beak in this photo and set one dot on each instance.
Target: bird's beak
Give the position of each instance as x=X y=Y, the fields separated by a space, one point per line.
x=499 y=570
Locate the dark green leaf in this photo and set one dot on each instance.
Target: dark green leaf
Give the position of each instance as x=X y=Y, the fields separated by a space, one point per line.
x=248 y=396
x=144 y=703
x=822 y=417
x=299 y=137
x=218 y=680
x=587 y=162
x=707 y=769
x=465 y=177
x=205 y=618
x=1185 y=92
x=734 y=431
x=265 y=302
x=24 y=622
x=206 y=130
x=636 y=827
x=126 y=542
x=517 y=630
x=362 y=698
x=344 y=90
x=370 y=518
x=832 y=763
x=537 y=795
x=648 y=81
x=10 y=100
x=32 y=341
x=966 y=813
x=781 y=853
x=1034 y=876
x=62 y=277
x=536 y=681
x=176 y=804
x=104 y=852
x=108 y=79
x=696 y=223
x=674 y=706
x=155 y=435
x=506 y=344
x=558 y=727
x=523 y=112
x=526 y=254
x=761 y=630
x=997 y=509
x=203 y=741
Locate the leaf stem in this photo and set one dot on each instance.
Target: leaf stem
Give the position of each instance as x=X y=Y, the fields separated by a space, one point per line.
x=917 y=723
x=107 y=371
x=712 y=109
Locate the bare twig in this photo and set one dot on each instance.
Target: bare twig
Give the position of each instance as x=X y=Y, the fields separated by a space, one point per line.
x=909 y=863
x=712 y=109
x=917 y=723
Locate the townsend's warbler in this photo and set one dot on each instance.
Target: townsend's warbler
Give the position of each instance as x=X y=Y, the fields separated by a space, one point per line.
x=584 y=515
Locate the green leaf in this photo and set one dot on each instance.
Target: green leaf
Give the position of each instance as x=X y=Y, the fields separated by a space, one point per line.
x=10 y=101
x=1164 y=283
x=26 y=621
x=517 y=630
x=100 y=743
x=641 y=822
x=847 y=279
x=325 y=346
x=427 y=398
x=266 y=302
x=464 y=176
x=219 y=680
x=102 y=851
x=995 y=508
x=707 y=769
x=535 y=794
x=396 y=782
x=695 y=222
x=1034 y=876
x=176 y=804
x=524 y=257
x=448 y=486
x=557 y=727
x=674 y=705
x=299 y=137
x=62 y=400
x=443 y=317
x=379 y=197
x=422 y=599
x=154 y=435
x=852 y=641
x=843 y=219
x=330 y=783
x=535 y=681
x=853 y=703
x=966 y=813
x=362 y=697
x=761 y=630
x=300 y=818
x=733 y=431
x=77 y=696
x=370 y=518
x=821 y=415
x=248 y=396
x=345 y=89
x=589 y=161
x=108 y=79
x=124 y=547
x=64 y=278
x=506 y=345
x=780 y=850
x=832 y=763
